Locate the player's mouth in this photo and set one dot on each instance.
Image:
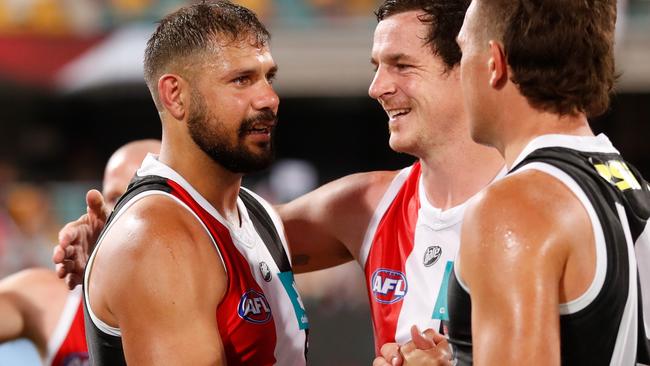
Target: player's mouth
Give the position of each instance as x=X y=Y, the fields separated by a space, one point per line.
x=397 y=112
x=261 y=128
x=260 y=131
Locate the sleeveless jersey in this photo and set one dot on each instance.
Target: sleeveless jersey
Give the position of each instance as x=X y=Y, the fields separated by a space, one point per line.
x=609 y=324
x=67 y=345
x=407 y=256
x=261 y=319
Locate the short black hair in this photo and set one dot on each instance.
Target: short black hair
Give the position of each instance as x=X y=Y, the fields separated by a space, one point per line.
x=444 y=17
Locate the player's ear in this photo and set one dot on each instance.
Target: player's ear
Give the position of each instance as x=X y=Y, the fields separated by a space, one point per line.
x=173 y=92
x=497 y=65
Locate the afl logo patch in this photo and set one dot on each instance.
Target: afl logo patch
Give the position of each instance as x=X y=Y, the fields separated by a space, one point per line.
x=431 y=255
x=388 y=286
x=254 y=308
x=265 y=271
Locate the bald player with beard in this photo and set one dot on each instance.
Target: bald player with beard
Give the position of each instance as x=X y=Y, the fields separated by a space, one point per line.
x=37 y=305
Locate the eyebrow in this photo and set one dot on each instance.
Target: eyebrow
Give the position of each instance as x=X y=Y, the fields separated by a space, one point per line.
x=244 y=71
x=394 y=58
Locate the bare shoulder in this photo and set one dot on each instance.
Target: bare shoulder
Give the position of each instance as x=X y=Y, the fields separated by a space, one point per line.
x=523 y=199
x=370 y=185
x=155 y=238
x=527 y=216
x=151 y=222
x=157 y=276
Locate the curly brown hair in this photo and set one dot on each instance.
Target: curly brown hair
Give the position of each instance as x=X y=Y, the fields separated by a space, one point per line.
x=560 y=51
x=444 y=17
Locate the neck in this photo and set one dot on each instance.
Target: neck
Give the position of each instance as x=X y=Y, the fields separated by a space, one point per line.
x=219 y=186
x=453 y=174
x=533 y=124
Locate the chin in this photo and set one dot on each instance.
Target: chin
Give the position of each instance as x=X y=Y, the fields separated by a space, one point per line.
x=400 y=146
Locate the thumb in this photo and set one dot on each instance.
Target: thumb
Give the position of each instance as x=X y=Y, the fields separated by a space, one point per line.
x=420 y=340
x=96 y=205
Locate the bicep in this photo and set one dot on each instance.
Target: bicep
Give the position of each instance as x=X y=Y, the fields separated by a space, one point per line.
x=30 y=301
x=12 y=324
x=326 y=227
x=174 y=336
x=314 y=232
x=513 y=278
x=165 y=284
x=169 y=320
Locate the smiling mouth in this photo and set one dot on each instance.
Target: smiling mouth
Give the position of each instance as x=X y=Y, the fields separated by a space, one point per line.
x=395 y=113
x=260 y=130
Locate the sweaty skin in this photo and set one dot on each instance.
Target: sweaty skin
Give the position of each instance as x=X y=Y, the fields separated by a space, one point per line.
x=539 y=245
x=426 y=118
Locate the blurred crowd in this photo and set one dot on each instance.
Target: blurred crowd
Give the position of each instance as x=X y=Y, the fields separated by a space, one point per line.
x=65 y=17
x=30 y=216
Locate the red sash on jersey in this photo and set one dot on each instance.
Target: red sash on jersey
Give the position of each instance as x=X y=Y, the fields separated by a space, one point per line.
x=391 y=246
x=247 y=340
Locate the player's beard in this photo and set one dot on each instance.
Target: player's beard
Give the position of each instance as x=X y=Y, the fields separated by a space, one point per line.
x=210 y=135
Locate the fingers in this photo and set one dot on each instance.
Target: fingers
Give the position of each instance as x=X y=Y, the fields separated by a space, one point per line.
x=380 y=361
x=434 y=336
x=420 y=340
x=58 y=254
x=73 y=280
x=440 y=342
x=71 y=271
x=96 y=205
x=391 y=354
x=63 y=251
x=70 y=232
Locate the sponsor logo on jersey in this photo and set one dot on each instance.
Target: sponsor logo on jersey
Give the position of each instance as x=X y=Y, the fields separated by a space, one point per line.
x=76 y=359
x=254 y=308
x=265 y=271
x=388 y=286
x=617 y=173
x=431 y=255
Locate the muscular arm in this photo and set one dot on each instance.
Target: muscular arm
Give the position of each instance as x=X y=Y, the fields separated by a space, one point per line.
x=158 y=278
x=30 y=303
x=525 y=249
x=325 y=227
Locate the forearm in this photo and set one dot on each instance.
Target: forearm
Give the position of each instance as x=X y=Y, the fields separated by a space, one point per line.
x=12 y=324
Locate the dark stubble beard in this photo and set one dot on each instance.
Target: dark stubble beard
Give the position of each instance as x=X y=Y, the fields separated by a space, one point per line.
x=212 y=137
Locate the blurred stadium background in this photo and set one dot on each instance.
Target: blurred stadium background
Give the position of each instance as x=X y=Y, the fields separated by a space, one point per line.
x=71 y=92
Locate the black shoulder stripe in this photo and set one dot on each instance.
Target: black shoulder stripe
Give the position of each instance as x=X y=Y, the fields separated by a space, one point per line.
x=140 y=184
x=265 y=227
x=136 y=186
x=105 y=349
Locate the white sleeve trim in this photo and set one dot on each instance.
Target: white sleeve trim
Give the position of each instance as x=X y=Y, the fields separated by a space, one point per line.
x=63 y=324
x=642 y=249
x=626 y=338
